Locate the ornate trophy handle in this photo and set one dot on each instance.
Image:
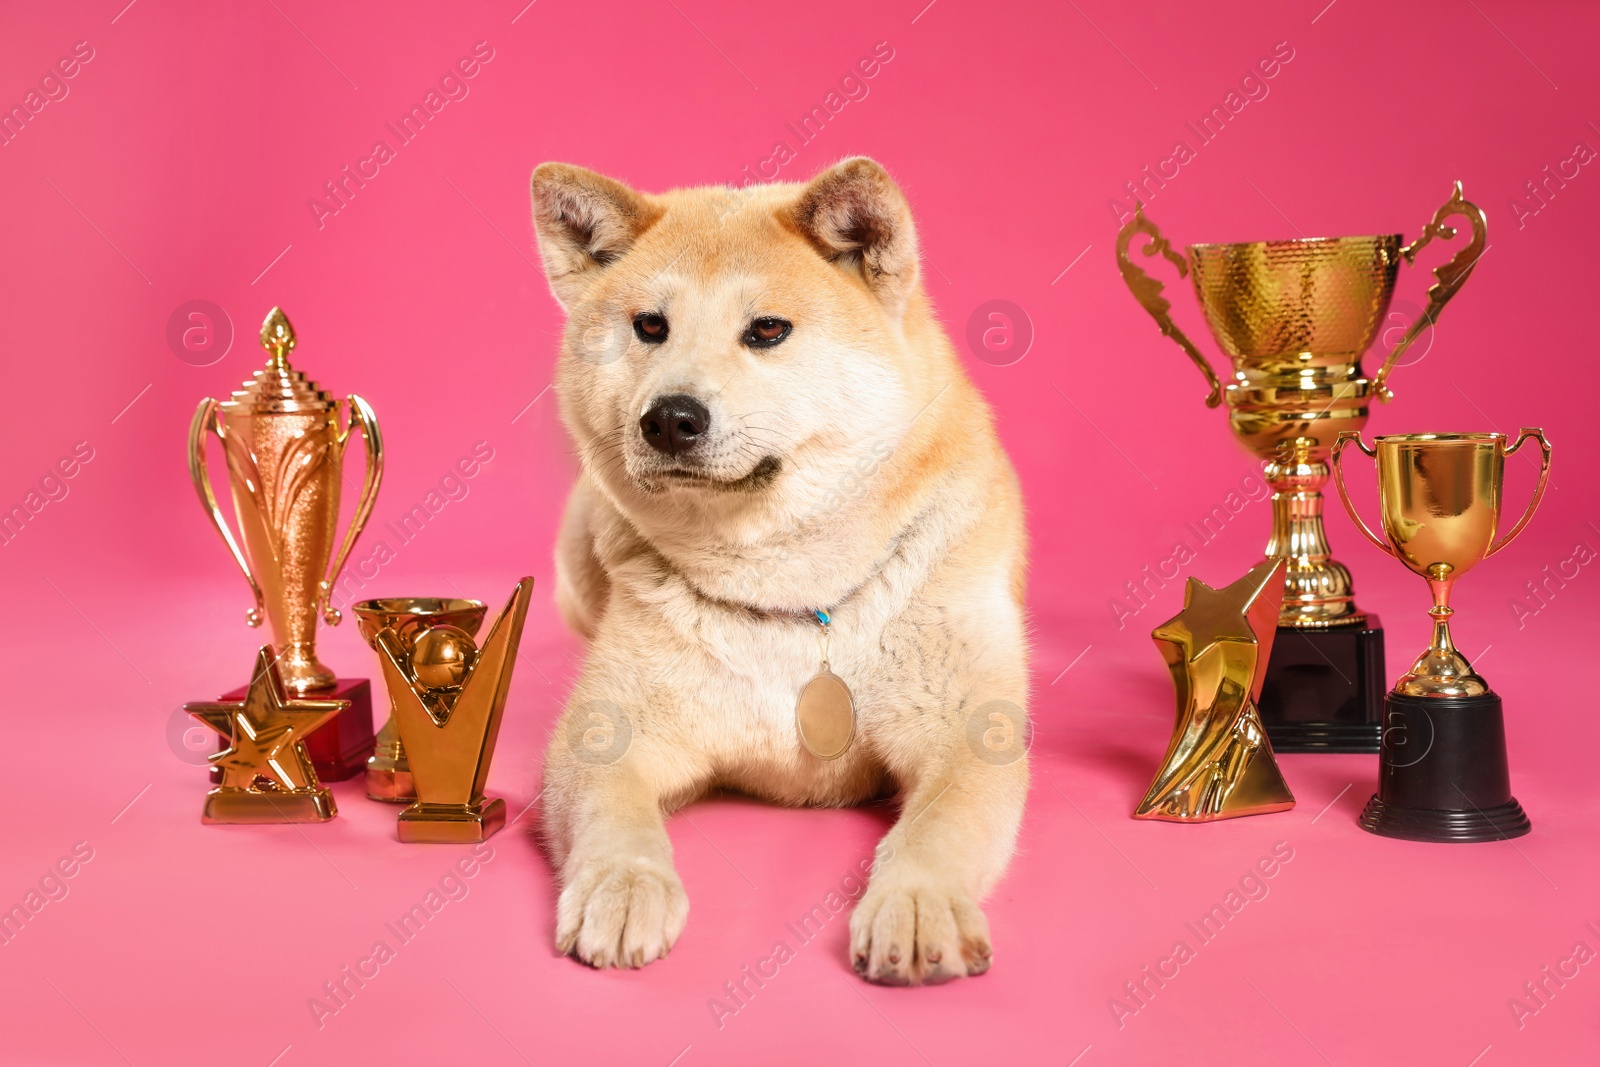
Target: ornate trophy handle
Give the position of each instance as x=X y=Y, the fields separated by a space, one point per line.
x=1525 y=434
x=1147 y=290
x=1451 y=277
x=361 y=414
x=1347 y=437
x=205 y=420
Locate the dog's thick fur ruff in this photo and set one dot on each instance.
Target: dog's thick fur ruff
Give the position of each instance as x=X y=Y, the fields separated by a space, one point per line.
x=852 y=467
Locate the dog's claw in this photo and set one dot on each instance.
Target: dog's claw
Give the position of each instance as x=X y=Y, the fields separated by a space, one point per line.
x=914 y=929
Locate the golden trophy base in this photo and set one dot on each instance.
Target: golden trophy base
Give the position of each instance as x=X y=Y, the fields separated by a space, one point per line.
x=224 y=806
x=1258 y=789
x=390 y=786
x=388 y=771
x=452 y=824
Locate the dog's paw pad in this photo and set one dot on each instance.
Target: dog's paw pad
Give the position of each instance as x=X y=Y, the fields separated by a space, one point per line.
x=620 y=913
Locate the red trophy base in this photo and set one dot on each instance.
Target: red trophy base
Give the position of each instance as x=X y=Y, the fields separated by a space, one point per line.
x=339 y=749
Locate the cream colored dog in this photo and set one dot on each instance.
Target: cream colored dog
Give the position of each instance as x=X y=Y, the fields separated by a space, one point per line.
x=771 y=421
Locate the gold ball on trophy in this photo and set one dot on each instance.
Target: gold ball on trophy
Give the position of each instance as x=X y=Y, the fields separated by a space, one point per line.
x=441 y=655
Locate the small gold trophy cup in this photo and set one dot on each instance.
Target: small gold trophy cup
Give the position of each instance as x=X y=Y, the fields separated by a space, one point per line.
x=284 y=441
x=388 y=771
x=1443 y=773
x=1296 y=317
x=1219 y=763
x=449 y=698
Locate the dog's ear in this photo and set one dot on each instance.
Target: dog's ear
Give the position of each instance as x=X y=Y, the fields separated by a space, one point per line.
x=856 y=217
x=585 y=222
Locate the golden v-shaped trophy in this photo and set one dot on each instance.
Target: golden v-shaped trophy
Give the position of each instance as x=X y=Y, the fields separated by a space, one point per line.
x=1219 y=763
x=1443 y=774
x=449 y=697
x=284 y=441
x=389 y=771
x=1296 y=317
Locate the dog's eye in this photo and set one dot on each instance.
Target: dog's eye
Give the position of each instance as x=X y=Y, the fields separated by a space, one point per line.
x=650 y=327
x=766 y=332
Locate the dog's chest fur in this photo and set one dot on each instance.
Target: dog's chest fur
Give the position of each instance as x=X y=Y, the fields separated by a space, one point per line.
x=893 y=641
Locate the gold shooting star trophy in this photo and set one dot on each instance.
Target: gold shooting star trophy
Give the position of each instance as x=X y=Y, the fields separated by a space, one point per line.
x=449 y=697
x=1296 y=317
x=284 y=441
x=1443 y=773
x=266 y=774
x=1219 y=763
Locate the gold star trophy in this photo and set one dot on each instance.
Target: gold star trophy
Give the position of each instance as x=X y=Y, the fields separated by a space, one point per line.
x=266 y=774
x=1219 y=763
x=1296 y=319
x=449 y=697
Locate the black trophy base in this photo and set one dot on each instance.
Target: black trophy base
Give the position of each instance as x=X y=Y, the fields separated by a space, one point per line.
x=1443 y=774
x=1499 y=823
x=1324 y=689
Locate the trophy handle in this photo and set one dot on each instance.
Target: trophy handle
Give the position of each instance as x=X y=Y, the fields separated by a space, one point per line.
x=362 y=415
x=1451 y=277
x=1525 y=434
x=1147 y=290
x=205 y=421
x=1348 y=437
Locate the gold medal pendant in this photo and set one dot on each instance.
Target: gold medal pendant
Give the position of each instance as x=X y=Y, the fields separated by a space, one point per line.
x=825 y=715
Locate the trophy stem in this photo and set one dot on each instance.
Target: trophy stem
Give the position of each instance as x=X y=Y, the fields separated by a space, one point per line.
x=1442 y=644
x=1441 y=671
x=1318 y=592
x=302 y=672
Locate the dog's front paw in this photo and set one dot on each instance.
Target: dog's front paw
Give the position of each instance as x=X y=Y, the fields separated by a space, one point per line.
x=621 y=912
x=914 y=930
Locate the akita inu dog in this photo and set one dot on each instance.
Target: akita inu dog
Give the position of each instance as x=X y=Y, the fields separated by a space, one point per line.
x=786 y=475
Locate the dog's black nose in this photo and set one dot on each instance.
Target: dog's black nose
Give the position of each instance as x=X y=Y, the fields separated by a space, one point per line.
x=675 y=424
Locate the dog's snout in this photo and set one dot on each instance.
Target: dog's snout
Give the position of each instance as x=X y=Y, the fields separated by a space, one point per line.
x=675 y=424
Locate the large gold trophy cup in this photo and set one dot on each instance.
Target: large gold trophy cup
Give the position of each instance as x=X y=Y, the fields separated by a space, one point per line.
x=1443 y=773
x=1295 y=318
x=285 y=444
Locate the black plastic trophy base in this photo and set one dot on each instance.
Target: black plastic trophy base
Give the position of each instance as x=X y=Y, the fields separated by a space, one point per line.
x=1324 y=689
x=1442 y=773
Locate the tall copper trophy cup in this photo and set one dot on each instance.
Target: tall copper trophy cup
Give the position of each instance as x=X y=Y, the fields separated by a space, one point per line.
x=1296 y=318
x=284 y=440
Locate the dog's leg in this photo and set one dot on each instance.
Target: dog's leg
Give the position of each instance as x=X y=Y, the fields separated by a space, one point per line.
x=919 y=921
x=621 y=902
x=581 y=585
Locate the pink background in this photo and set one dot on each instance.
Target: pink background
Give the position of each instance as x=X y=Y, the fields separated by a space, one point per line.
x=179 y=166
